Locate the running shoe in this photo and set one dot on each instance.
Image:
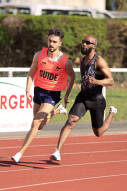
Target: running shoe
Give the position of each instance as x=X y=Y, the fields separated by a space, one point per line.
x=62 y=109
x=55 y=156
x=112 y=110
x=17 y=157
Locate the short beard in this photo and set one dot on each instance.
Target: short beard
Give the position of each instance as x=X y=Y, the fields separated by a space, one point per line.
x=87 y=51
x=53 y=50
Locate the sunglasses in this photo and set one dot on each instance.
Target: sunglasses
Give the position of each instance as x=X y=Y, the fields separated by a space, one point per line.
x=87 y=42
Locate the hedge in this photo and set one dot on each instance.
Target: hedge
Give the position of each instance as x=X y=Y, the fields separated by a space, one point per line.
x=23 y=35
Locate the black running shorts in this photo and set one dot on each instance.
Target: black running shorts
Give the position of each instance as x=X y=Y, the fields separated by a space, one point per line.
x=96 y=106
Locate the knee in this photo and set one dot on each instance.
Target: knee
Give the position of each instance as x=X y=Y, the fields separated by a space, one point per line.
x=71 y=122
x=35 y=124
x=97 y=132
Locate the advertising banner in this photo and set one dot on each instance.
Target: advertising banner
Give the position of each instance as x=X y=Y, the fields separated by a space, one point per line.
x=16 y=112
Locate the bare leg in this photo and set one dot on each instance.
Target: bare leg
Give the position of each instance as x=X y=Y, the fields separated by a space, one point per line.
x=26 y=138
x=100 y=131
x=39 y=117
x=47 y=119
x=65 y=131
x=36 y=108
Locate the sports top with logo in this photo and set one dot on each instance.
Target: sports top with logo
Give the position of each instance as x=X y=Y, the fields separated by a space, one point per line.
x=87 y=89
x=51 y=75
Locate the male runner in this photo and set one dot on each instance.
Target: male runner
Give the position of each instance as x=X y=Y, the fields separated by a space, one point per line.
x=95 y=74
x=49 y=71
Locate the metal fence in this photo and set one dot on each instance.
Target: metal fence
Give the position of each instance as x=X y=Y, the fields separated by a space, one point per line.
x=115 y=95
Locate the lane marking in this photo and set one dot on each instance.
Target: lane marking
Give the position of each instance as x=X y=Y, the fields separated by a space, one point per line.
x=86 y=152
x=68 y=165
x=62 y=181
x=52 y=136
x=87 y=143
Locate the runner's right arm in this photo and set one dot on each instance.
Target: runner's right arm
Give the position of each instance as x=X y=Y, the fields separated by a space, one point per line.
x=31 y=73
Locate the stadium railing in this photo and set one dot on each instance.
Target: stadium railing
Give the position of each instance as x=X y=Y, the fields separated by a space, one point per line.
x=115 y=95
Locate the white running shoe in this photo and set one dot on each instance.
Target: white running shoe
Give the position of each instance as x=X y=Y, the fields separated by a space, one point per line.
x=55 y=156
x=62 y=109
x=112 y=110
x=17 y=157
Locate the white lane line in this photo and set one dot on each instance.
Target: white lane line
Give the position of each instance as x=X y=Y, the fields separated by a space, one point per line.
x=53 y=136
x=86 y=152
x=64 y=181
x=61 y=166
x=87 y=143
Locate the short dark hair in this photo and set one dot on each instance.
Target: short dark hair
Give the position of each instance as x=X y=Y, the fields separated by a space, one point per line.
x=56 y=32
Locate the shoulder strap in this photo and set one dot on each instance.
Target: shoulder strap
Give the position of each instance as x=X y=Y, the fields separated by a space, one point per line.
x=63 y=60
x=96 y=55
x=42 y=54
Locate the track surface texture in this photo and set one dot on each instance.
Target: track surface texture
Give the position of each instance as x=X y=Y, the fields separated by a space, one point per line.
x=87 y=163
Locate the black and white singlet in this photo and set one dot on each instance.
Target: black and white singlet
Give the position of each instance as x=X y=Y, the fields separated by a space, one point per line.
x=87 y=89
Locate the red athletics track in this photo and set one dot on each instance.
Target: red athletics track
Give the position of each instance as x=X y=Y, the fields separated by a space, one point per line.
x=88 y=163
